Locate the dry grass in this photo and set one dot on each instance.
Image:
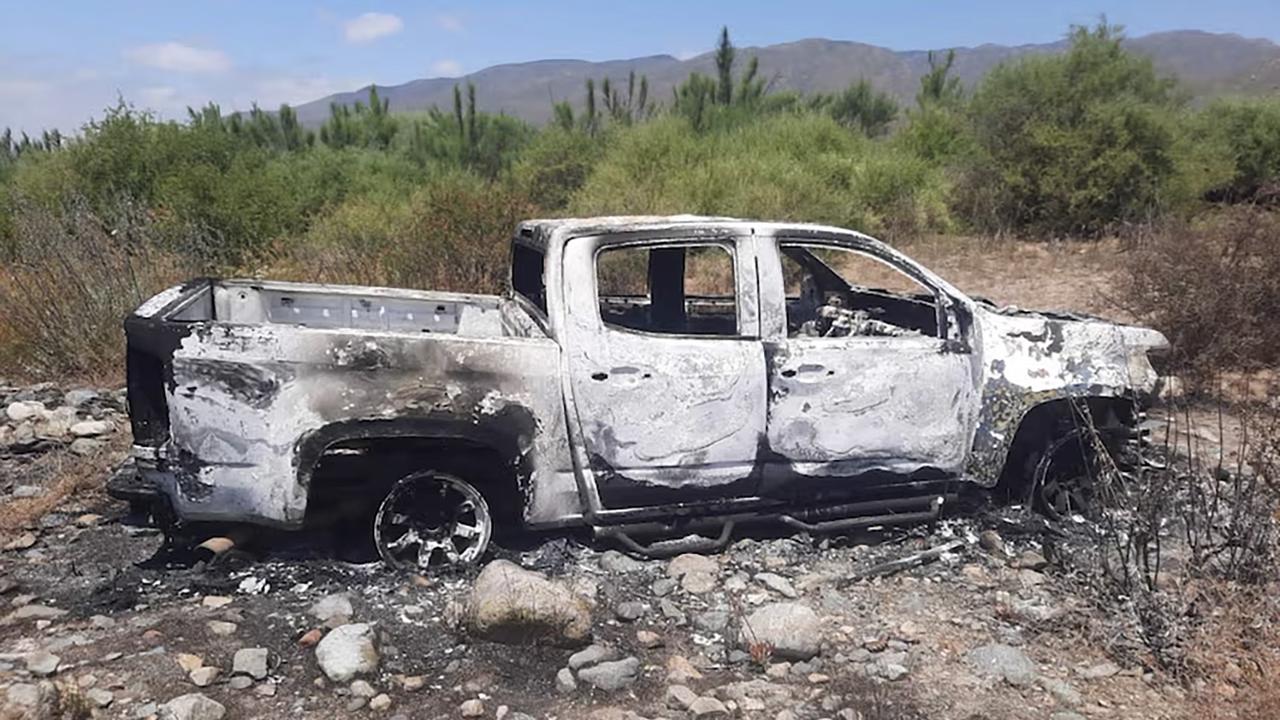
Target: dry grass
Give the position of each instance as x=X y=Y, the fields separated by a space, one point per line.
x=68 y=475
x=74 y=280
x=1212 y=288
x=1073 y=276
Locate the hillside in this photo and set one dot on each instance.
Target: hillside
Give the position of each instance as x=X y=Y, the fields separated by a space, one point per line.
x=1210 y=64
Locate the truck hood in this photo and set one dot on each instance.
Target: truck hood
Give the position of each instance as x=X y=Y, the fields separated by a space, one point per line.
x=1043 y=351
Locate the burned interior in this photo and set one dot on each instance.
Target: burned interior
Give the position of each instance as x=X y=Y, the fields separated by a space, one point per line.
x=645 y=378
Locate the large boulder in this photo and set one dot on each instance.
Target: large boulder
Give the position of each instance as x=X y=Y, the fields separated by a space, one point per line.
x=792 y=630
x=509 y=604
x=347 y=651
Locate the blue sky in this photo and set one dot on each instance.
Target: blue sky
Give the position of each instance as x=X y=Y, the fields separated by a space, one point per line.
x=62 y=61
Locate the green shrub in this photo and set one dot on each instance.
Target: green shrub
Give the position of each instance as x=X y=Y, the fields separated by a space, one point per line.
x=1246 y=137
x=556 y=164
x=452 y=233
x=1071 y=144
x=793 y=166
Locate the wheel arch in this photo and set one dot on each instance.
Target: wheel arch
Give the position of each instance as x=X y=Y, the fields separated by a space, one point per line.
x=387 y=449
x=1051 y=420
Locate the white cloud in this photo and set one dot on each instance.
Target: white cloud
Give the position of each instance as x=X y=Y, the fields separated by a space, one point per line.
x=371 y=26
x=271 y=91
x=446 y=68
x=176 y=57
x=451 y=23
x=157 y=96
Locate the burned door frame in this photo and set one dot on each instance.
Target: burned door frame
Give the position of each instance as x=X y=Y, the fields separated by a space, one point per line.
x=662 y=418
x=871 y=409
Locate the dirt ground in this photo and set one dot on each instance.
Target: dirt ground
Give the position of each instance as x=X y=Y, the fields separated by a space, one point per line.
x=995 y=629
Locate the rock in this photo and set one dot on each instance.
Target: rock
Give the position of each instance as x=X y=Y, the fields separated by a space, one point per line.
x=347 y=651
x=565 y=683
x=680 y=671
x=80 y=397
x=592 y=655
x=662 y=586
x=90 y=428
x=1101 y=671
x=311 y=637
x=413 y=683
x=189 y=662
x=23 y=695
x=1003 y=661
x=680 y=697
x=27 y=491
x=100 y=697
x=708 y=707
x=471 y=708
x=192 y=706
x=792 y=630
x=213 y=602
x=332 y=607
x=220 y=627
x=630 y=611
x=85 y=447
x=682 y=565
x=251 y=662
x=512 y=605
x=778 y=584
x=672 y=611
x=24 y=410
x=88 y=520
x=610 y=676
x=204 y=676
x=991 y=541
x=361 y=688
x=698 y=583
x=21 y=542
x=1061 y=691
x=648 y=639
x=711 y=620
x=615 y=562
x=42 y=663
x=889 y=670
x=1028 y=560
x=266 y=689
x=380 y=702
x=240 y=682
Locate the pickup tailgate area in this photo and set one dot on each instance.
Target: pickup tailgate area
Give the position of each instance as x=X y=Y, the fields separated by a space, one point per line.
x=228 y=380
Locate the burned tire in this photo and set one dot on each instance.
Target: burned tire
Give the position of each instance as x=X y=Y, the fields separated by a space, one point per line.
x=1077 y=473
x=430 y=521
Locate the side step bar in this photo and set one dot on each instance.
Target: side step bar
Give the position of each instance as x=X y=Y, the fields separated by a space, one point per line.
x=815 y=520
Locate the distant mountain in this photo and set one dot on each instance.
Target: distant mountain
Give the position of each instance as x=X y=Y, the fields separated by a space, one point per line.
x=1209 y=64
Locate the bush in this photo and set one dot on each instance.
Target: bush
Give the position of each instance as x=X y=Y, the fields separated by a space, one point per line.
x=73 y=279
x=451 y=234
x=1213 y=289
x=557 y=164
x=792 y=166
x=1074 y=143
x=1246 y=137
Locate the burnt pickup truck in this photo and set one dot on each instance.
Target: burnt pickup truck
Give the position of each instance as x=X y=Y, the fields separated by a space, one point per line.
x=646 y=378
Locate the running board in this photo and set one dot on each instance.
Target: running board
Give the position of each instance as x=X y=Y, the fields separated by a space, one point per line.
x=816 y=520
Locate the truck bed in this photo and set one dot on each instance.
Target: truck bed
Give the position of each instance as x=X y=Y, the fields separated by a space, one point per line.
x=249 y=302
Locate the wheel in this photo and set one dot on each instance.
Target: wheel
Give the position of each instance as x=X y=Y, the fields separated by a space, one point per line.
x=431 y=520
x=1073 y=475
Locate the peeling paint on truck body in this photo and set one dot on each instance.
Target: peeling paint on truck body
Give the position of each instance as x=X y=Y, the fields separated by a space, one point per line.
x=239 y=388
